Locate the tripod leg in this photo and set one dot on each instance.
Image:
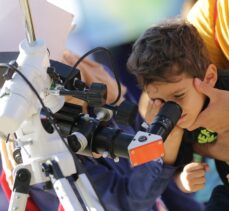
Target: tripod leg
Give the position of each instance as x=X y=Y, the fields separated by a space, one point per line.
x=62 y=187
x=20 y=192
x=66 y=195
x=88 y=194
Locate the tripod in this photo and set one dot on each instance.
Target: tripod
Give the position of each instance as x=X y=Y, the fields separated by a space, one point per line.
x=45 y=155
x=43 y=164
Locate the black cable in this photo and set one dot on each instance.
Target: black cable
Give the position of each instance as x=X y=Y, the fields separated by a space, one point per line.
x=78 y=165
x=112 y=69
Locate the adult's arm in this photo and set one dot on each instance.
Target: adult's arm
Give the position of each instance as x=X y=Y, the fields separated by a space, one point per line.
x=218 y=150
x=215 y=117
x=124 y=188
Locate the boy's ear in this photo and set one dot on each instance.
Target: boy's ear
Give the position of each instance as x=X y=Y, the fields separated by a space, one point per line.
x=211 y=75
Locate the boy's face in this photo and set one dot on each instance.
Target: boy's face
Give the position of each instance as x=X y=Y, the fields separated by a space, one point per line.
x=183 y=93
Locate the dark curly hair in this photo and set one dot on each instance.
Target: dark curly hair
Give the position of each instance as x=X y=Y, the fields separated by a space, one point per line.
x=166 y=51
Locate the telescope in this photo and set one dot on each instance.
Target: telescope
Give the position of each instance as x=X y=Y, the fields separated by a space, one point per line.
x=49 y=132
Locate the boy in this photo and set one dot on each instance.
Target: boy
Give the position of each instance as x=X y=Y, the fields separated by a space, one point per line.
x=167 y=59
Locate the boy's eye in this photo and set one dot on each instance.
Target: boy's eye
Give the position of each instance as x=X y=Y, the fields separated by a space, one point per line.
x=179 y=96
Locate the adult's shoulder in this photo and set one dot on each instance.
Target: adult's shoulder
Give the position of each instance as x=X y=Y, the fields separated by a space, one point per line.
x=210 y=18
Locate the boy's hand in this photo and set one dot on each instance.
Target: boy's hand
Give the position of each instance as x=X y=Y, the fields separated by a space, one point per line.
x=217 y=109
x=152 y=110
x=172 y=143
x=192 y=178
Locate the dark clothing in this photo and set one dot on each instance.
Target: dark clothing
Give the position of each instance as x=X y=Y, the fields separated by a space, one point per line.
x=219 y=199
x=176 y=200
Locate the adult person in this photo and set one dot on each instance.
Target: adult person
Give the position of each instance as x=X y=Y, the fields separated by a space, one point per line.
x=210 y=18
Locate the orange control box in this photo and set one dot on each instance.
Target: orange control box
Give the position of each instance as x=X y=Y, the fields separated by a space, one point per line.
x=144 y=151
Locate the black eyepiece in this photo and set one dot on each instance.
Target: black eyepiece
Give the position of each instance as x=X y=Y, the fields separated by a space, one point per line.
x=166 y=119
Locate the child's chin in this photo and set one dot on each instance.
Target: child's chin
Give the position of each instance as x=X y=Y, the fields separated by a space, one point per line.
x=184 y=125
x=187 y=126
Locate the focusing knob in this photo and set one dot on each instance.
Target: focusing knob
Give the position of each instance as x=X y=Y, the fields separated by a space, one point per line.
x=97 y=94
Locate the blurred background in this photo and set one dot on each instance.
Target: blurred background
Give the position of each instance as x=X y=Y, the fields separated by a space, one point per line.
x=80 y=25
x=115 y=24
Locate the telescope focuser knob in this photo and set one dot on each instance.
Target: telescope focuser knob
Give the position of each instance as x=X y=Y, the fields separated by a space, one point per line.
x=97 y=94
x=126 y=113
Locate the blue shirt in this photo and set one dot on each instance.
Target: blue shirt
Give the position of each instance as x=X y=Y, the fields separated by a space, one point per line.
x=122 y=187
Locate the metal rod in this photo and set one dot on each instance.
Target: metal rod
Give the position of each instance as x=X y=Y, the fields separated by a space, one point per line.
x=30 y=34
